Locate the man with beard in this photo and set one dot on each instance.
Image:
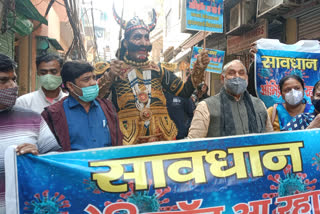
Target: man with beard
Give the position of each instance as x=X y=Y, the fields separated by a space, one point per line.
x=136 y=85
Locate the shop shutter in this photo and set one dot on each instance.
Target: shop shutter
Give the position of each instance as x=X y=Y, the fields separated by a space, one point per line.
x=7 y=44
x=276 y=31
x=309 y=24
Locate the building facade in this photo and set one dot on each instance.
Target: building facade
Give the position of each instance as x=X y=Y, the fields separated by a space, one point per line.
x=246 y=21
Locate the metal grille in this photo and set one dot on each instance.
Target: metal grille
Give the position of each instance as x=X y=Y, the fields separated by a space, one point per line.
x=309 y=25
x=276 y=31
x=6 y=44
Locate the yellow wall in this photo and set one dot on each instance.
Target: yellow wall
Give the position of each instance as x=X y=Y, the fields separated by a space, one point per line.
x=54 y=25
x=23 y=65
x=291 y=31
x=215 y=84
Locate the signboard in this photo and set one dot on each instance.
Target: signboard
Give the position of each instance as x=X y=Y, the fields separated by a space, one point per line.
x=263 y=174
x=216 y=59
x=204 y=15
x=272 y=65
x=236 y=44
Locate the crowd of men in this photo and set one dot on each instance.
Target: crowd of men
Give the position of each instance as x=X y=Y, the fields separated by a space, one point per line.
x=125 y=105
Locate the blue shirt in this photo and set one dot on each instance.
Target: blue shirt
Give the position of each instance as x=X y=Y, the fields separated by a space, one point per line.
x=300 y=122
x=86 y=130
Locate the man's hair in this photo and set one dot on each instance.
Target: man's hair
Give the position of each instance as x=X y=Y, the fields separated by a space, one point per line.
x=49 y=57
x=199 y=88
x=226 y=66
x=6 y=63
x=73 y=69
x=122 y=51
x=291 y=76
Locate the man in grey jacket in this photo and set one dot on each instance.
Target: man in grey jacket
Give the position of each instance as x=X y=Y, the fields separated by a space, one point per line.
x=233 y=111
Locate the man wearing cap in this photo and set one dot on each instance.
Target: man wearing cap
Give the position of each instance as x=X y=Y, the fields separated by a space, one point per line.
x=136 y=85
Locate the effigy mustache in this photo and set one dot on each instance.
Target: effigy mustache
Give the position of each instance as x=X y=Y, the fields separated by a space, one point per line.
x=134 y=47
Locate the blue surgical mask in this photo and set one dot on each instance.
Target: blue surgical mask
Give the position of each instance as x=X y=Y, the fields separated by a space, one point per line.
x=89 y=93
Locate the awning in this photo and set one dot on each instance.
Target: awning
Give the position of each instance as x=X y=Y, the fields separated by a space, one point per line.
x=20 y=24
x=55 y=44
x=26 y=8
x=183 y=49
x=194 y=39
x=168 y=54
x=181 y=55
x=43 y=43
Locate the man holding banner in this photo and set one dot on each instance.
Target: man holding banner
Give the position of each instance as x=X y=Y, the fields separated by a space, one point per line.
x=233 y=111
x=18 y=126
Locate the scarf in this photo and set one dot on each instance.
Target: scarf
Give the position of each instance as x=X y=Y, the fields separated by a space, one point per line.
x=227 y=126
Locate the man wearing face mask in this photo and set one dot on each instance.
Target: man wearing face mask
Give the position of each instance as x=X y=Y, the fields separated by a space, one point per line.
x=81 y=120
x=231 y=112
x=48 y=71
x=18 y=126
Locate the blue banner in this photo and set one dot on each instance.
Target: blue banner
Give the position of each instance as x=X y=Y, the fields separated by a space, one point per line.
x=272 y=65
x=265 y=173
x=216 y=59
x=204 y=15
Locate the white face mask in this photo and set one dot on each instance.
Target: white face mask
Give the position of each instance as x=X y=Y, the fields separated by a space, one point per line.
x=294 y=97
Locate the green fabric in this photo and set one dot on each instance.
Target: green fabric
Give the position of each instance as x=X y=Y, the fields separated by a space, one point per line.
x=7 y=43
x=55 y=44
x=43 y=43
x=26 y=8
x=20 y=24
x=50 y=82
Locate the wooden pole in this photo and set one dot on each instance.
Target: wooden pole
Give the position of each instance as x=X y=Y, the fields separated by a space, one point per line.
x=204 y=36
x=204 y=39
x=120 y=33
x=205 y=26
